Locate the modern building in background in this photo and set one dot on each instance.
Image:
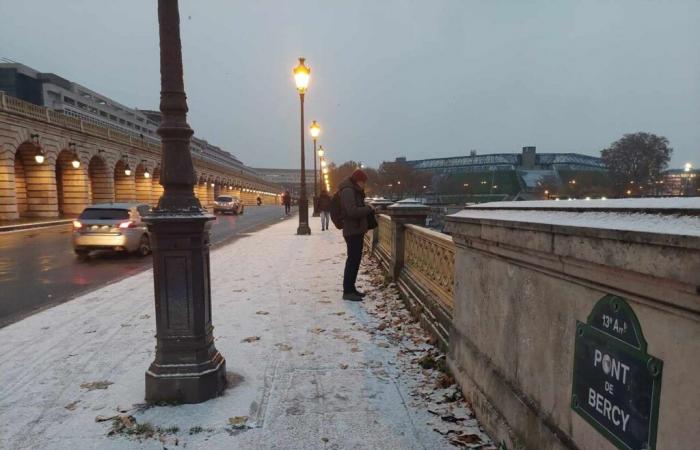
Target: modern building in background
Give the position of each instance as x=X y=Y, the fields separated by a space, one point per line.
x=288 y=178
x=524 y=175
x=681 y=182
x=72 y=99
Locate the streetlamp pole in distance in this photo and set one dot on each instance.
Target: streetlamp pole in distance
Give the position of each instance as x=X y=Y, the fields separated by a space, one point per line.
x=315 y=130
x=301 y=78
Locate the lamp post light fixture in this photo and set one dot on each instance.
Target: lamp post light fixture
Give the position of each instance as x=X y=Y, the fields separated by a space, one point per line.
x=39 y=156
x=301 y=77
x=187 y=367
x=146 y=173
x=315 y=130
x=76 y=161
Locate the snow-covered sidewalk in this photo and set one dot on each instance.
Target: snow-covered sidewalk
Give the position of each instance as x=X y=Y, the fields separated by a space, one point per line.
x=306 y=369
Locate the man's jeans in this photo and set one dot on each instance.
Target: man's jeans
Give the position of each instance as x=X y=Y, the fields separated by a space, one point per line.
x=325 y=219
x=352 y=264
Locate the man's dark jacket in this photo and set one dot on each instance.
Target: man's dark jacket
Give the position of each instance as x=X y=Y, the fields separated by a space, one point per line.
x=352 y=204
x=324 y=202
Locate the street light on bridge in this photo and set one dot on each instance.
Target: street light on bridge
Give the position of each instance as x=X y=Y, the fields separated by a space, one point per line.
x=187 y=367
x=315 y=130
x=301 y=77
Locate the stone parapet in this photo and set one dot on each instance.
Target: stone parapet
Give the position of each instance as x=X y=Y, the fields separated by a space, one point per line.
x=527 y=273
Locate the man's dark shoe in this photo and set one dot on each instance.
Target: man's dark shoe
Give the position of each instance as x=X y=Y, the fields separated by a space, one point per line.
x=361 y=294
x=352 y=296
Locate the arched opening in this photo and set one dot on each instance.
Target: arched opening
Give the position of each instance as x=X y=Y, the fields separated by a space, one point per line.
x=35 y=184
x=124 y=186
x=142 y=180
x=209 y=186
x=156 y=187
x=200 y=190
x=101 y=188
x=71 y=185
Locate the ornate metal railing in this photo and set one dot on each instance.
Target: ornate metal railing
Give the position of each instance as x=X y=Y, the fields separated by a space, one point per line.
x=385 y=231
x=430 y=256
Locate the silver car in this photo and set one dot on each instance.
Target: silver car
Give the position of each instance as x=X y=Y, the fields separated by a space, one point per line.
x=228 y=204
x=112 y=226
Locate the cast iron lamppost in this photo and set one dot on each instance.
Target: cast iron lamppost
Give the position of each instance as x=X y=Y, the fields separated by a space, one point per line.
x=187 y=366
x=301 y=78
x=315 y=130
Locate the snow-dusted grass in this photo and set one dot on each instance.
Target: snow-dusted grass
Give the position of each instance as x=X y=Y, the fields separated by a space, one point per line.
x=320 y=375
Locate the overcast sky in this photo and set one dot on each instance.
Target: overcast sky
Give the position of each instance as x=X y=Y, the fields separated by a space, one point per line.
x=390 y=78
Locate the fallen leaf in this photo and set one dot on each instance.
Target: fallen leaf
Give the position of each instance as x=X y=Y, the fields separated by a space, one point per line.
x=283 y=347
x=251 y=339
x=71 y=406
x=262 y=313
x=238 y=421
x=343 y=366
x=96 y=385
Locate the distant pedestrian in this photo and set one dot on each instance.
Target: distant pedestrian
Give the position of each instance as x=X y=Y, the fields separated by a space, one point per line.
x=287 y=201
x=259 y=200
x=324 y=206
x=355 y=224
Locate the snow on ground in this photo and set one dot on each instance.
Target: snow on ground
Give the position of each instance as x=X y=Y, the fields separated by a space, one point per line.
x=306 y=369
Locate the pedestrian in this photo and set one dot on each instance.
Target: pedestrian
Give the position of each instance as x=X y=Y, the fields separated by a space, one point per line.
x=324 y=206
x=355 y=215
x=287 y=200
x=259 y=200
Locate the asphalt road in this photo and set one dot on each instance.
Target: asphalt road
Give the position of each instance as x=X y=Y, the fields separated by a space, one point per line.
x=38 y=267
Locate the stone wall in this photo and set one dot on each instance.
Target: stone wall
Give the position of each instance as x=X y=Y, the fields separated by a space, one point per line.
x=524 y=277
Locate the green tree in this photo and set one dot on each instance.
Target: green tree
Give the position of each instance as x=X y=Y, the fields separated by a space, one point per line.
x=636 y=161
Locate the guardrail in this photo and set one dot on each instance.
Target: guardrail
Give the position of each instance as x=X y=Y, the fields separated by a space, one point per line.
x=421 y=261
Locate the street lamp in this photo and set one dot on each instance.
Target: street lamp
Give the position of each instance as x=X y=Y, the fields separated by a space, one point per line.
x=315 y=130
x=187 y=367
x=39 y=156
x=76 y=161
x=301 y=78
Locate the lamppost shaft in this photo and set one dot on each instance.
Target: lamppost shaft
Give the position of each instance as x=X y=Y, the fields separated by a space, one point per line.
x=316 y=175
x=187 y=367
x=303 y=201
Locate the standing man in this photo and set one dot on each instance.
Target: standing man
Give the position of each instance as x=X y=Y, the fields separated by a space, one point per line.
x=324 y=206
x=287 y=200
x=355 y=213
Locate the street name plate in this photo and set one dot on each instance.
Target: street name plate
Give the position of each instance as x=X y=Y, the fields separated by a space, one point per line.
x=616 y=383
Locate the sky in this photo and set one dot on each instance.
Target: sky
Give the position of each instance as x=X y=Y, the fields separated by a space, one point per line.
x=389 y=78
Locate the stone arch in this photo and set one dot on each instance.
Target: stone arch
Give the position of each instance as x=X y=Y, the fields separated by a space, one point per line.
x=124 y=185
x=143 y=184
x=156 y=187
x=200 y=189
x=101 y=183
x=35 y=183
x=72 y=194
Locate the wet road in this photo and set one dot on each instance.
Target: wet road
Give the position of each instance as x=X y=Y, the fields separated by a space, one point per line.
x=38 y=267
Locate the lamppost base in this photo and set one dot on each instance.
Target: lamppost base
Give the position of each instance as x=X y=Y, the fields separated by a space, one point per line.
x=188 y=383
x=303 y=229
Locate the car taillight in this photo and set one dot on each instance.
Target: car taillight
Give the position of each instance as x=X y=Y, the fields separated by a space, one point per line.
x=77 y=225
x=128 y=224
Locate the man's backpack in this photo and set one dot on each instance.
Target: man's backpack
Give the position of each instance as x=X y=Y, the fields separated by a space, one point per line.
x=336 y=211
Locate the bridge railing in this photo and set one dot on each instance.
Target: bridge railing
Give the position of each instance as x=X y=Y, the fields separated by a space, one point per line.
x=420 y=261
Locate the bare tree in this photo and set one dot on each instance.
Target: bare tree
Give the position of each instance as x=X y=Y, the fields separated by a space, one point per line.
x=635 y=162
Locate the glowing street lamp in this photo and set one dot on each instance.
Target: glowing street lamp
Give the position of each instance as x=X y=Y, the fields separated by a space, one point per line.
x=302 y=74
x=76 y=161
x=40 y=156
x=687 y=167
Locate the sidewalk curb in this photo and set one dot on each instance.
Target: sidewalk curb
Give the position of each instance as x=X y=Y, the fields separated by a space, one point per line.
x=29 y=226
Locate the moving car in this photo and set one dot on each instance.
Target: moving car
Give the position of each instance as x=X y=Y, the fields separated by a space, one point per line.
x=228 y=204
x=112 y=226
